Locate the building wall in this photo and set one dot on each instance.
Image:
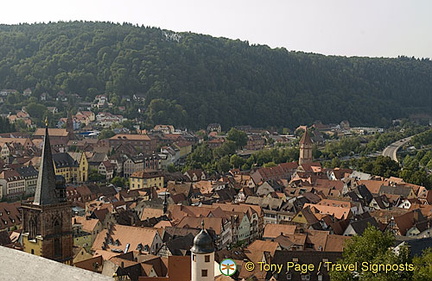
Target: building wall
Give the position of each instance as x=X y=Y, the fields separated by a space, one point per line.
x=84 y=240
x=33 y=246
x=11 y=188
x=137 y=183
x=244 y=231
x=69 y=173
x=83 y=169
x=52 y=231
x=199 y=264
x=30 y=185
x=305 y=154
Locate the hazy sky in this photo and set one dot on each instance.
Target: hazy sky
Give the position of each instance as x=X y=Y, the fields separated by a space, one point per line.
x=373 y=28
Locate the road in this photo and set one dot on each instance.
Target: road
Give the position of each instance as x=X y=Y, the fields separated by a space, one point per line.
x=392 y=149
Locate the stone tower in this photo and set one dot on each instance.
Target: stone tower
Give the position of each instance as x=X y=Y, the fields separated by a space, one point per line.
x=69 y=123
x=202 y=257
x=47 y=221
x=305 y=149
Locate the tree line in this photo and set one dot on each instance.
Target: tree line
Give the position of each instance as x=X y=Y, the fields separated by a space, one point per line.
x=198 y=79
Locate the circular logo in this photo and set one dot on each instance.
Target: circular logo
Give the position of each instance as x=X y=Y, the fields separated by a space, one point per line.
x=228 y=267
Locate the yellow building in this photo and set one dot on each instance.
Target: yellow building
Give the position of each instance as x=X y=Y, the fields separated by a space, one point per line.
x=145 y=179
x=185 y=148
x=81 y=238
x=72 y=169
x=83 y=165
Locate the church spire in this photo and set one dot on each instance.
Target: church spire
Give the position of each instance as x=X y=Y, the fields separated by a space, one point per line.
x=306 y=147
x=165 y=204
x=46 y=182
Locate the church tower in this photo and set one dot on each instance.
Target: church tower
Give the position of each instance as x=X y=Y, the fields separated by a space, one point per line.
x=305 y=149
x=202 y=257
x=69 y=123
x=47 y=221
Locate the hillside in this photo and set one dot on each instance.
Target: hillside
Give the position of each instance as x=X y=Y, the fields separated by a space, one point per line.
x=201 y=79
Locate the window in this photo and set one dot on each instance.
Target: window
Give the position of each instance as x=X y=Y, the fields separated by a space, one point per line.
x=32 y=251
x=204 y=273
x=194 y=257
x=57 y=248
x=207 y=258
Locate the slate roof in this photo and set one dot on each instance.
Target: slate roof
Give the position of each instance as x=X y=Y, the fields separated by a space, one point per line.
x=97 y=157
x=179 y=246
x=361 y=225
x=46 y=184
x=418 y=245
x=62 y=160
x=398 y=190
x=27 y=171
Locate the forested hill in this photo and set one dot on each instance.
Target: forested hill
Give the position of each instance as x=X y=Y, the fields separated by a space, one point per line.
x=203 y=79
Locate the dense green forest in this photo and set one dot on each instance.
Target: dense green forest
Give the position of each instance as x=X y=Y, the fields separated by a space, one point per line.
x=5 y=126
x=202 y=79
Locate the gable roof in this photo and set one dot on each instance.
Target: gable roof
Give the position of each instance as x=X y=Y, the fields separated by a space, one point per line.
x=52 y=132
x=337 y=212
x=134 y=137
x=360 y=226
x=62 y=160
x=400 y=190
x=408 y=220
x=372 y=185
x=275 y=230
x=305 y=138
x=125 y=235
x=214 y=224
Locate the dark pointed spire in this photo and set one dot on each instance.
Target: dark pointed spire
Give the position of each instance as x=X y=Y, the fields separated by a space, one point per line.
x=46 y=182
x=69 y=123
x=165 y=204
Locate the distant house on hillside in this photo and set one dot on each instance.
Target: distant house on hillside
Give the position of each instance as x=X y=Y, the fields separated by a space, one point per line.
x=214 y=127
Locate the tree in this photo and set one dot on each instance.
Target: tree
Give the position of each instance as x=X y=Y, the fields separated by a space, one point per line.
x=270 y=165
x=95 y=176
x=238 y=137
x=385 y=166
x=106 y=134
x=5 y=126
x=200 y=156
x=223 y=164
x=423 y=266
x=373 y=247
x=227 y=148
x=36 y=110
x=236 y=161
x=119 y=181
